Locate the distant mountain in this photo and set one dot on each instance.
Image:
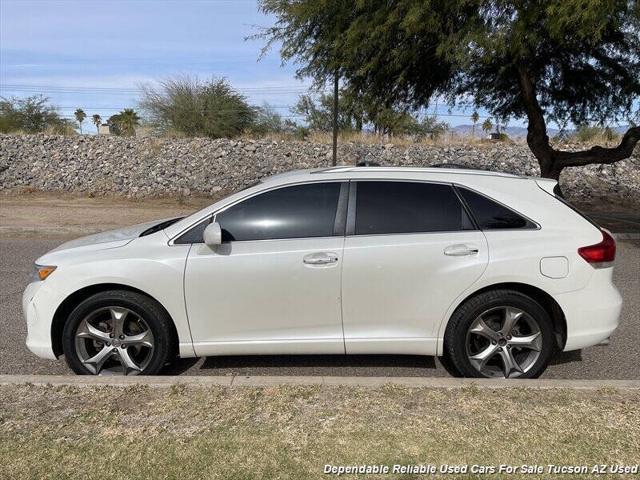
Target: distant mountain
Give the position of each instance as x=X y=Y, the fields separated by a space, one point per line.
x=518 y=132
x=622 y=130
x=513 y=132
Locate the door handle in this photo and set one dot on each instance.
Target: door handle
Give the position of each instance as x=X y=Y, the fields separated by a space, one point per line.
x=320 y=258
x=460 y=250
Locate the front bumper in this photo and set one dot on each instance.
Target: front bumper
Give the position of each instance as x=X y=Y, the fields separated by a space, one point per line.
x=38 y=328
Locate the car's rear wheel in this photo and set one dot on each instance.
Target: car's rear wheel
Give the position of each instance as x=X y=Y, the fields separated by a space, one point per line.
x=117 y=332
x=500 y=334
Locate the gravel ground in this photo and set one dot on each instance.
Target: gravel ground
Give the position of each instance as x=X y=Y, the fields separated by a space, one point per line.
x=619 y=360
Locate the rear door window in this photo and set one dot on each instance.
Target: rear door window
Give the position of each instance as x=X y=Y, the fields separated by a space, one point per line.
x=386 y=207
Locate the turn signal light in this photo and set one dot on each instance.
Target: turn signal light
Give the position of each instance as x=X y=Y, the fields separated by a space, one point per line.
x=601 y=254
x=43 y=271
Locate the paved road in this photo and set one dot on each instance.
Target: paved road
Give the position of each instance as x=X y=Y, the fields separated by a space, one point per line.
x=626 y=222
x=620 y=360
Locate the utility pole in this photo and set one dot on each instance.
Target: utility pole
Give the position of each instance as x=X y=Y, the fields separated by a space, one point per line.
x=334 y=158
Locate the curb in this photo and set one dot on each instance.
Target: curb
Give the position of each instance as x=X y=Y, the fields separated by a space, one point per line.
x=232 y=381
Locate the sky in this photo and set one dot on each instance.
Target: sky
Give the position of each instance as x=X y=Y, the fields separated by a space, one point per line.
x=95 y=54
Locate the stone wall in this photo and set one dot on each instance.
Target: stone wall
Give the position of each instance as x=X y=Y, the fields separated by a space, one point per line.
x=172 y=167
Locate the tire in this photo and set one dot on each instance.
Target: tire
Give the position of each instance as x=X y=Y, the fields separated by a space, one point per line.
x=118 y=332
x=448 y=365
x=500 y=334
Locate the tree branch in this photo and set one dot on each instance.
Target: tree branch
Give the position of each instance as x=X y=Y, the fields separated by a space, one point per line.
x=600 y=155
x=553 y=161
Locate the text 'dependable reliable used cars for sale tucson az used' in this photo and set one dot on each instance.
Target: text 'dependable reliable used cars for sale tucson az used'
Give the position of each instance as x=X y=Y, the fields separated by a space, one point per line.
x=493 y=272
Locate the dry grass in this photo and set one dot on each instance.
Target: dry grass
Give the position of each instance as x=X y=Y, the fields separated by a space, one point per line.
x=325 y=138
x=292 y=432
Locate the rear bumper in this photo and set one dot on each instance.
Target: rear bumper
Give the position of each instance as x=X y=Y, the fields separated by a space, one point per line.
x=593 y=313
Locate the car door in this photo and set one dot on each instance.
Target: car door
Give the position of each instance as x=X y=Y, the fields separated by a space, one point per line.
x=273 y=286
x=410 y=251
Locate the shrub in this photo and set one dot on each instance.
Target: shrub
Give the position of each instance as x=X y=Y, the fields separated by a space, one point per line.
x=32 y=115
x=187 y=106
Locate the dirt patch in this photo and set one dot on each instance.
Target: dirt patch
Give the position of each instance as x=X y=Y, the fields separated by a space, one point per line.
x=66 y=215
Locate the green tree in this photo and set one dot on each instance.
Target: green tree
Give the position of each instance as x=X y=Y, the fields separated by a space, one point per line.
x=487 y=126
x=356 y=111
x=80 y=117
x=124 y=123
x=430 y=126
x=391 y=122
x=194 y=108
x=267 y=120
x=531 y=59
x=474 y=119
x=31 y=115
x=97 y=121
x=318 y=113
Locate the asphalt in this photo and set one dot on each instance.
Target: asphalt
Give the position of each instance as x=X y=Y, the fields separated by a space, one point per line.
x=627 y=223
x=620 y=360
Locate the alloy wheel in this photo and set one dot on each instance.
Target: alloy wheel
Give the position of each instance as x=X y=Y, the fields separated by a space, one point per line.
x=504 y=342
x=114 y=340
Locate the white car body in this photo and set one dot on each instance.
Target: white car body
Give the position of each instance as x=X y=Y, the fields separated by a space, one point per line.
x=389 y=294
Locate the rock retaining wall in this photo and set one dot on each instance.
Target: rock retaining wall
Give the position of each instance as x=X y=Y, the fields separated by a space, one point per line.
x=141 y=167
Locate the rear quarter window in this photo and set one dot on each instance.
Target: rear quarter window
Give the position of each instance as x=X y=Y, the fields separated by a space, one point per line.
x=491 y=215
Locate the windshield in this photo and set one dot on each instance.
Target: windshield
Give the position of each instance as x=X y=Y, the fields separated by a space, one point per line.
x=160 y=226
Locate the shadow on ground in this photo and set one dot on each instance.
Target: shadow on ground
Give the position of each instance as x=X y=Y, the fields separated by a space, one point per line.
x=327 y=365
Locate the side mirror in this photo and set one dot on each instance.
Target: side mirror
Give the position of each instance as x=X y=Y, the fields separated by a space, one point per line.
x=212 y=235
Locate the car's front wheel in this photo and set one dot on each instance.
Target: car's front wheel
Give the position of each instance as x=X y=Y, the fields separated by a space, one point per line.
x=500 y=334
x=117 y=332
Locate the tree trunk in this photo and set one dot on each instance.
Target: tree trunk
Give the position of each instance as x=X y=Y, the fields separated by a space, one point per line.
x=552 y=161
x=334 y=153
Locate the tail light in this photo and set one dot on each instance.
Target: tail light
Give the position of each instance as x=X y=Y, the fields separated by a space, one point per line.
x=601 y=254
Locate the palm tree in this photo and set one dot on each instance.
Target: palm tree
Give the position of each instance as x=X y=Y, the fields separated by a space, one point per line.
x=474 y=118
x=487 y=125
x=125 y=122
x=97 y=121
x=80 y=116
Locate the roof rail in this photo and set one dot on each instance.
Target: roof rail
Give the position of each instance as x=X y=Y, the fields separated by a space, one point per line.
x=459 y=169
x=344 y=168
x=457 y=165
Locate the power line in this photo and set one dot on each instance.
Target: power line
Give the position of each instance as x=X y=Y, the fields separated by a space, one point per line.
x=122 y=108
x=135 y=90
x=72 y=117
x=264 y=90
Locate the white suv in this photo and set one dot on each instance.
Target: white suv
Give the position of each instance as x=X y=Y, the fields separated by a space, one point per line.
x=491 y=271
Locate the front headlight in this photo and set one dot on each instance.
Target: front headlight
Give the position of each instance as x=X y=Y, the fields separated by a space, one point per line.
x=41 y=272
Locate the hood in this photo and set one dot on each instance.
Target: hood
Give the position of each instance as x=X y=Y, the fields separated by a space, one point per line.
x=110 y=238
